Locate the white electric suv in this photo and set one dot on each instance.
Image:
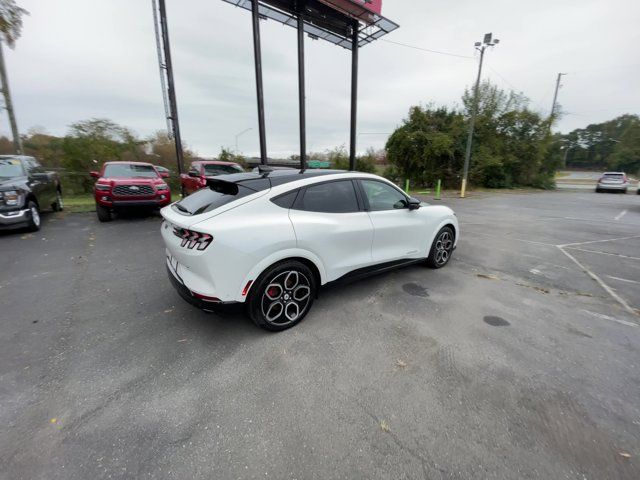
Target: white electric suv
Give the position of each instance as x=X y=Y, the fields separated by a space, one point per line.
x=271 y=239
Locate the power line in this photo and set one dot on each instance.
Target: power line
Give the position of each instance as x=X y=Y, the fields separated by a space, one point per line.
x=427 y=49
x=504 y=79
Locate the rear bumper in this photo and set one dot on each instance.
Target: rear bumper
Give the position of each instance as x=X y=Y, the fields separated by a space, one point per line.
x=188 y=296
x=613 y=186
x=14 y=219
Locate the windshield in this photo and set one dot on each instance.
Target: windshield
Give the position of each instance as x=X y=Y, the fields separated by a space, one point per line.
x=212 y=170
x=124 y=170
x=10 y=167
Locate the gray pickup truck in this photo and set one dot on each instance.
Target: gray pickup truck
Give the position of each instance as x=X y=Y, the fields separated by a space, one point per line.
x=25 y=189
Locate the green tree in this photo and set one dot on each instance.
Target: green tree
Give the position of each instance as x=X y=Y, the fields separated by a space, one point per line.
x=428 y=146
x=11 y=21
x=510 y=140
x=626 y=154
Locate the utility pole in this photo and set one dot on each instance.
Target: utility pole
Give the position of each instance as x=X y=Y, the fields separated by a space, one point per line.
x=488 y=41
x=555 y=96
x=17 y=142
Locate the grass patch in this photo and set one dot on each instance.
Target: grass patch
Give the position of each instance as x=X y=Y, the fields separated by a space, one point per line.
x=79 y=203
x=85 y=202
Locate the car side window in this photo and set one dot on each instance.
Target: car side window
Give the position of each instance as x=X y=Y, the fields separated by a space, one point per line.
x=194 y=169
x=286 y=199
x=382 y=196
x=329 y=197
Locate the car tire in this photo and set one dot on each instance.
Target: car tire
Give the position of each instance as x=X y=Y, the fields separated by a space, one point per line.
x=34 y=216
x=441 y=248
x=282 y=296
x=598 y=190
x=58 y=205
x=104 y=214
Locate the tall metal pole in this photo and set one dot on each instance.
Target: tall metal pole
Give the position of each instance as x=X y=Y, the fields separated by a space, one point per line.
x=255 y=13
x=555 y=96
x=162 y=68
x=173 y=106
x=472 y=122
x=17 y=141
x=301 y=89
x=354 y=95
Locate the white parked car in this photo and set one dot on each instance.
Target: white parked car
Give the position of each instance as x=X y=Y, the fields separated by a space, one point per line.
x=271 y=239
x=613 y=182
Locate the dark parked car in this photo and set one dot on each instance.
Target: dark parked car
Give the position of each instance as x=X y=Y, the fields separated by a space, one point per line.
x=26 y=189
x=128 y=185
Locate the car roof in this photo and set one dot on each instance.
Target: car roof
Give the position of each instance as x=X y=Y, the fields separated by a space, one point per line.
x=128 y=163
x=279 y=177
x=213 y=162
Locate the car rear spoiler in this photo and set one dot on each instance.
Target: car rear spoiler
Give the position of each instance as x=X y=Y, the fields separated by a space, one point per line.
x=222 y=186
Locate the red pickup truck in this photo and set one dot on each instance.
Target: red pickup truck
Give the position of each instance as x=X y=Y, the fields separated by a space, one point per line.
x=123 y=185
x=196 y=177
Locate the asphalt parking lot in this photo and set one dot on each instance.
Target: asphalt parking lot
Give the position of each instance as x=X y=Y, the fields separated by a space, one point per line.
x=520 y=359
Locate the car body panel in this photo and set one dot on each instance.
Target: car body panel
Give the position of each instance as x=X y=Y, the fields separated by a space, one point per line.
x=613 y=181
x=252 y=233
x=33 y=183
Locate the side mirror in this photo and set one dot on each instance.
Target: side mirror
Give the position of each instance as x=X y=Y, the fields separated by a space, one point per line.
x=164 y=174
x=193 y=174
x=413 y=203
x=95 y=174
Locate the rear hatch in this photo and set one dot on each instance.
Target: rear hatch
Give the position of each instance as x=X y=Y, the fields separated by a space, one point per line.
x=219 y=196
x=612 y=178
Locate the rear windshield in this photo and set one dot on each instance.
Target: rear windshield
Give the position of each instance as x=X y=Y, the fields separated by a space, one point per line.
x=10 y=167
x=211 y=170
x=117 y=170
x=613 y=175
x=206 y=199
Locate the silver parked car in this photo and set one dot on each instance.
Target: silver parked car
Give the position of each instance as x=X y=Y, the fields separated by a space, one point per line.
x=613 y=182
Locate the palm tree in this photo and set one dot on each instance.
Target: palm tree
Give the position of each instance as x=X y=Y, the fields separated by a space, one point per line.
x=10 y=30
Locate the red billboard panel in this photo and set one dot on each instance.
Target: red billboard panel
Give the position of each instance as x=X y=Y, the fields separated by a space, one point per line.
x=375 y=6
x=356 y=8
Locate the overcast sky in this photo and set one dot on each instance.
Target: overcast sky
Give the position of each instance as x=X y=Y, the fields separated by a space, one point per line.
x=79 y=59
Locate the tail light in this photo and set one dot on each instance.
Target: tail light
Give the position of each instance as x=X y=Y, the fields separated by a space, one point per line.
x=191 y=238
x=624 y=179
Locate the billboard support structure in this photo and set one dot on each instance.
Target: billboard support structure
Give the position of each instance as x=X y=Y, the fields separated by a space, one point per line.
x=354 y=96
x=301 y=86
x=171 y=90
x=255 y=14
x=350 y=24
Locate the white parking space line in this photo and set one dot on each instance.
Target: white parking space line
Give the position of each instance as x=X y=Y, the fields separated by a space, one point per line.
x=612 y=319
x=516 y=239
x=604 y=253
x=624 y=280
x=597 y=241
x=620 y=215
x=606 y=287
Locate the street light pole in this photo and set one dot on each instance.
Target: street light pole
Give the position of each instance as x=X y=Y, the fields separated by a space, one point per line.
x=481 y=47
x=240 y=133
